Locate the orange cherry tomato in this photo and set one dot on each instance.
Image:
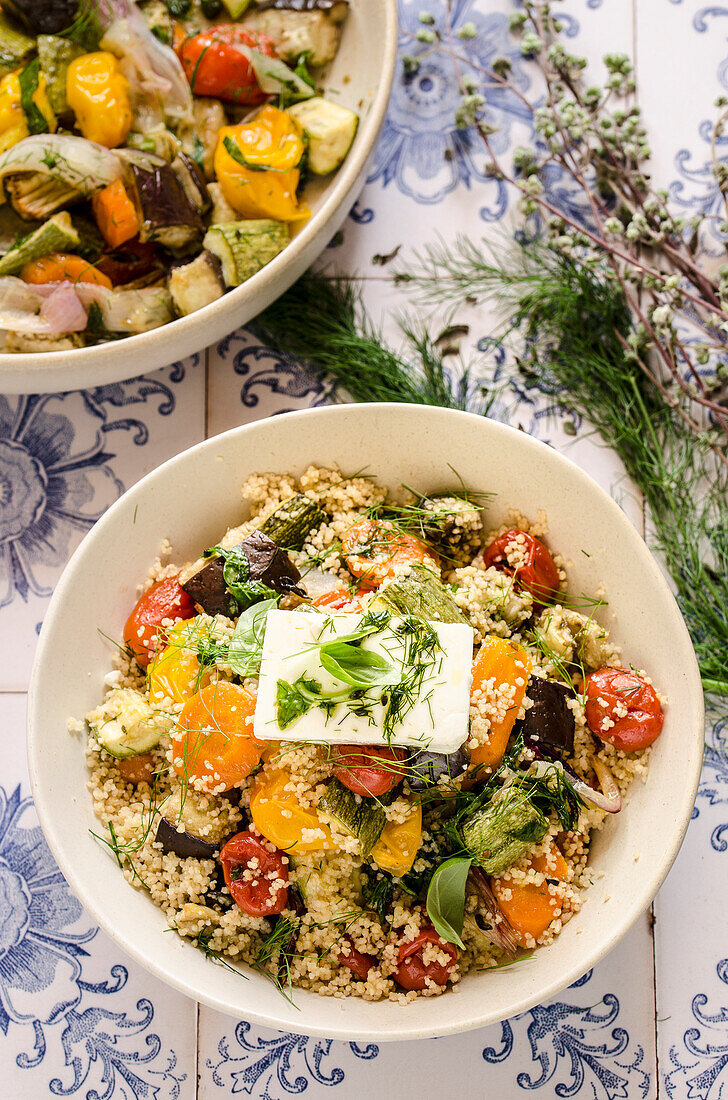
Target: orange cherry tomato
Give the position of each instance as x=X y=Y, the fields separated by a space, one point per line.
x=622 y=709
x=213 y=741
x=413 y=971
x=368 y=770
x=528 y=561
x=374 y=549
x=255 y=875
x=530 y=908
x=164 y=600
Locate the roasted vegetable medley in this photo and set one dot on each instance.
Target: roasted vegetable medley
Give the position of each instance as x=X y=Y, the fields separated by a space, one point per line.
x=361 y=744
x=153 y=157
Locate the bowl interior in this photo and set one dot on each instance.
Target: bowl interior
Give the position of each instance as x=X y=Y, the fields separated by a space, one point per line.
x=360 y=77
x=191 y=500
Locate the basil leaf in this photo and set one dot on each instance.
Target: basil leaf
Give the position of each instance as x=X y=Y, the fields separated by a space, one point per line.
x=36 y=121
x=246 y=645
x=236 y=573
x=356 y=666
x=446 y=899
x=294 y=700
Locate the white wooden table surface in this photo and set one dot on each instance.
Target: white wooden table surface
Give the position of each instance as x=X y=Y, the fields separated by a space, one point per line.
x=77 y=1017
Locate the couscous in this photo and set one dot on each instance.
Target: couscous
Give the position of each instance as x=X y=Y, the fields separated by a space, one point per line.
x=361 y=744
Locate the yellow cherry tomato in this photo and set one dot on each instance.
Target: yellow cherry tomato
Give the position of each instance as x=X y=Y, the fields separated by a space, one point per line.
x=175 y=671
x=398 y=843
x=257 y=165
x=277 y=814
x=98 y=94
x=13 y=123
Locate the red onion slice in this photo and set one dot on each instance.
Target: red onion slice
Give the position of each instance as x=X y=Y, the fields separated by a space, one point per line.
x=501 y=934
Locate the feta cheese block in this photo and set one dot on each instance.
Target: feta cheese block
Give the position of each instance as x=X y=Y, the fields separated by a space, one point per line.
x=421 y=698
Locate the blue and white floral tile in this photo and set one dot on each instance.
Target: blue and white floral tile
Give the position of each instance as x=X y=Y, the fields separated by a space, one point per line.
x=64 y=458
x=77 y=1017
x=682 y=69
x=594 y=1040
x=691 y=948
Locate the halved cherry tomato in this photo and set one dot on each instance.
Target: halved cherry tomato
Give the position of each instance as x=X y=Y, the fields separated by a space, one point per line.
x=174 y=672
x=368 y=770
x=164 y=600
x=528 y=561
x=622 y=709
x=280 y=817
x=375 y=548
x=214 y=66
x=213 y=741
x=137 y=769
x=255 y=875
x=359 y=963
x=132 y=261
x=413 y=971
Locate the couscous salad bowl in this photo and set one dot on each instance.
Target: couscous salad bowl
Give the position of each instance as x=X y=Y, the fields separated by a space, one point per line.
x=530 y=562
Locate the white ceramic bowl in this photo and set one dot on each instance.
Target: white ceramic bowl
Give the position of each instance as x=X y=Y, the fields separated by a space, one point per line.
x=360 y=77
x=192 y=499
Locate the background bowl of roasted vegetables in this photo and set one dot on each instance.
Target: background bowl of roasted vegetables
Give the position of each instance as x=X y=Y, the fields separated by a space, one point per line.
x=75 y=175
x=191 y=500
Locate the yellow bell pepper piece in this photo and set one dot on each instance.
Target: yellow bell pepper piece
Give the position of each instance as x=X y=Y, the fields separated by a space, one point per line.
x=175 y=672
x=398 y=843
x=260 y=176
x=505 y=663
x=278 y=816
x=98 y=94
x=13 y=123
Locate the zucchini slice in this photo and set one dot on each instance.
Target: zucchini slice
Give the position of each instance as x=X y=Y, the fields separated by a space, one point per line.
x=291 y=524
x=55 y=235
x=125 y=724
x=363 y=818
x=244 y=247
x=331 y=130
x=55 y=55
x=421 y=594
x=503 y=831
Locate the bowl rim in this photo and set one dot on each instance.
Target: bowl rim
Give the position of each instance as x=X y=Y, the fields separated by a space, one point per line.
x=640 y=902
x=33 y=372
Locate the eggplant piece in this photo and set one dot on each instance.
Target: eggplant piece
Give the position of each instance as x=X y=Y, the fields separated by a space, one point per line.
x=196 y=284
x=548 y=726
x=42 y=16
x=312 y=27
x=206 y=586
x=426 y=768
x=202 y=836
x=165 y=213
x=233 y=578
x=183 y=844
x=193 y=182
x=270 y=565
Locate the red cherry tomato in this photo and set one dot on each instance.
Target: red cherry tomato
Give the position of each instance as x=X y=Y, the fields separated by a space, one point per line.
x=412 y=971
x=622 y=709
x=356 y=767
x=214 y=66
x=255 y=875
x=359 y=963
x=527 y=560
x=164 y=600
x=131 y=261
